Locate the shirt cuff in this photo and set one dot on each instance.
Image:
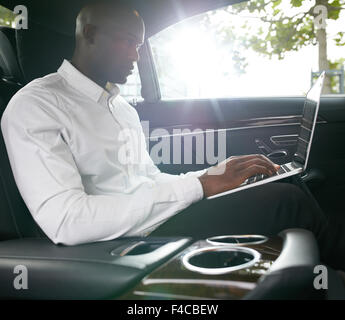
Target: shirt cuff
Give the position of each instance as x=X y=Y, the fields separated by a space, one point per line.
x=189 y=190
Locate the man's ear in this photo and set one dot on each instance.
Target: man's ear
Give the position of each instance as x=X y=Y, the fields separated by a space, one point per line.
x=89 y=33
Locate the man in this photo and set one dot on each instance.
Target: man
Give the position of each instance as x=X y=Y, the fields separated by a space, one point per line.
x=70 y=135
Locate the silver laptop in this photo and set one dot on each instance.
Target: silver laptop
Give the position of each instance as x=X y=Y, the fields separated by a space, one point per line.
x=300 y=158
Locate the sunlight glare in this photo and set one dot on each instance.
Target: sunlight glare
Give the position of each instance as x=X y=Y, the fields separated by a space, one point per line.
x=198 y=61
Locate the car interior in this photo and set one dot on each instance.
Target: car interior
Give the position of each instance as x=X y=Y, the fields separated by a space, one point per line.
x=223 y=267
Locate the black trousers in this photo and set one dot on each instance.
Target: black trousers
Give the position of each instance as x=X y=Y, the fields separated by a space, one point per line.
x=265 y=210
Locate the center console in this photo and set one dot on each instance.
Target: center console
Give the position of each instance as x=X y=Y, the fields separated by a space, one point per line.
x=215 y=268
x=226 y=267
x=222 y=267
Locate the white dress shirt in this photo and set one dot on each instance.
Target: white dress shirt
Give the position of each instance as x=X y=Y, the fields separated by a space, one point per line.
x=67 y=139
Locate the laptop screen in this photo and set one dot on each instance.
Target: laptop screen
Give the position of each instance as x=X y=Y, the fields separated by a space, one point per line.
x=309 y=117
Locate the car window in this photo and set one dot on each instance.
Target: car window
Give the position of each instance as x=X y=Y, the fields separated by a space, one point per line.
x=256 y=48
x=7 y=18
x=131 y=90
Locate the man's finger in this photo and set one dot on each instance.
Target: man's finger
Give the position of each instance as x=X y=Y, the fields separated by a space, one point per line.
x=253 y=170
x=269 y=160
x=257 y=161
x=252 y=156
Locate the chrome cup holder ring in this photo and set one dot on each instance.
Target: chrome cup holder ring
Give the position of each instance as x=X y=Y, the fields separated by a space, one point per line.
x=237 y=240
x=220 y=260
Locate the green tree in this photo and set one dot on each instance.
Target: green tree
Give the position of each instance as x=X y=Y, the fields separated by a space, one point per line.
x=281 y=33
x=336 y=65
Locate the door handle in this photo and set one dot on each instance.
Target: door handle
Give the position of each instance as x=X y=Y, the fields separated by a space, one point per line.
x=284 y=140
x=277 y=154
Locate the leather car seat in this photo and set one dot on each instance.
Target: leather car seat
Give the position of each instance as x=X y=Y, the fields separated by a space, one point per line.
x=41 y=50
x=11 y=77
x=25 y=54
x=15 y=218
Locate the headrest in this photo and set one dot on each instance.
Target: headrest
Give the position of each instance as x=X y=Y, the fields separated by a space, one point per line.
x=9 y=68
x=41 y=50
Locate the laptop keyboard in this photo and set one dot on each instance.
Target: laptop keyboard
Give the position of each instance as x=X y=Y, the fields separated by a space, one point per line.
x=283 y=169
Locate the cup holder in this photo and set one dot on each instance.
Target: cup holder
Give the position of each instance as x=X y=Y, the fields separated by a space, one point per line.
x=220 y=260
x=237 y=240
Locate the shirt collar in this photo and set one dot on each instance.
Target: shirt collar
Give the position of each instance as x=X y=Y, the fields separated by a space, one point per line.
x=85 y=85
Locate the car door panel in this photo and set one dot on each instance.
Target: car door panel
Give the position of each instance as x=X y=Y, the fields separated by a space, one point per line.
x=252 y=125
x=247 y=123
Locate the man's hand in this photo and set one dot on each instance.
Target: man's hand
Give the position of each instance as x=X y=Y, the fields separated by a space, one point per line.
x=232 y=172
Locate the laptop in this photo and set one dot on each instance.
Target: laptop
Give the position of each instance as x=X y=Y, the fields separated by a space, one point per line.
x=300 y=158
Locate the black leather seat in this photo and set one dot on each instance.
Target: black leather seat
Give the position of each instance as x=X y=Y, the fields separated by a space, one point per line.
x=41 y=50
x=10 y=73
x=10 y=69
x=24 y=56
x=15 y=219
